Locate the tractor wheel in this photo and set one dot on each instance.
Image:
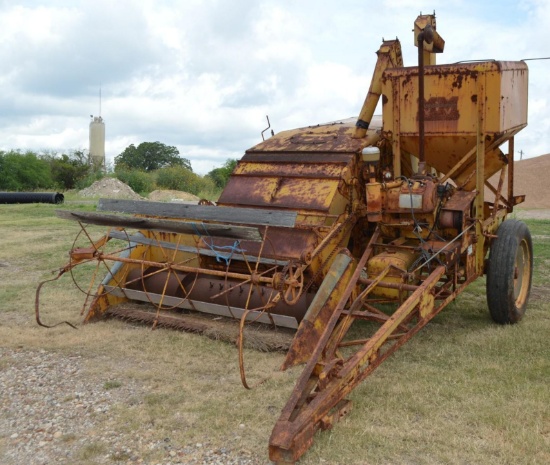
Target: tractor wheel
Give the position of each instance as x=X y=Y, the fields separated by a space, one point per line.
x=509 y=272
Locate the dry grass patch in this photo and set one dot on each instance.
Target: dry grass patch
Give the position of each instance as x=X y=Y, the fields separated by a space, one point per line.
x=92 y=450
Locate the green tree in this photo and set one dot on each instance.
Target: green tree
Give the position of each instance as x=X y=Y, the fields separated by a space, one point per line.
x=150 y=156
x=140 y=181
x=68 y=170
x=220 y=176
x=24 y=171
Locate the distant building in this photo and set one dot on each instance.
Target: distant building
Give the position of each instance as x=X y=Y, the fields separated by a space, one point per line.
x=97 y=142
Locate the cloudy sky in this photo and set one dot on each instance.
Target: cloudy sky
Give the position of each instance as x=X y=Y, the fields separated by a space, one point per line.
x=202 y=74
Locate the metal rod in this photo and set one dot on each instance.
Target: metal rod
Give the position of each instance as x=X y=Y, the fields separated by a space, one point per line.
x=427 y=35
x=511 y=148
x=398 y=286
x=188 y=269
x=421 y=154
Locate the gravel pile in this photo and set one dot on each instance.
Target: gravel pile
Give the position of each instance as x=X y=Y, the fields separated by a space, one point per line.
x=110 y=188
x=51 y=411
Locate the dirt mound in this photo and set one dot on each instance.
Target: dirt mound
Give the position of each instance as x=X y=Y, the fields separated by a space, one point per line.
x=172 y=196
x=530 y=179
x=110 y=188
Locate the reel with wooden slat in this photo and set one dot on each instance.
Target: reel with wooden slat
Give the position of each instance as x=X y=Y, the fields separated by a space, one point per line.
x=194 y=266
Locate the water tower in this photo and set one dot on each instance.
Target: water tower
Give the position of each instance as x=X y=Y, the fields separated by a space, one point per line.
x=97 y=142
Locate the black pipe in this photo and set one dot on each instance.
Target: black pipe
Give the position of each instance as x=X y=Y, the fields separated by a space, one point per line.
x=31 y=197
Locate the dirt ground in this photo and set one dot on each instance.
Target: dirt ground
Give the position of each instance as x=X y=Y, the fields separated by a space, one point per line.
x=534 y=214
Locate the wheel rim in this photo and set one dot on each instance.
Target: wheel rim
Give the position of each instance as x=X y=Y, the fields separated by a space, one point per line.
x=522 y=274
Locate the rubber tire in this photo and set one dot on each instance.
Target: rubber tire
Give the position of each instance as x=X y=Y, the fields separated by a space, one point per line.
x=510 y=254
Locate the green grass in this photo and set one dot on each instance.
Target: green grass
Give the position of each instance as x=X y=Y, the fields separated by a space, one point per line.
x=462 y=391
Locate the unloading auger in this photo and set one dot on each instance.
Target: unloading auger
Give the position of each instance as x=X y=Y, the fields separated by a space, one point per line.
x=353 y=234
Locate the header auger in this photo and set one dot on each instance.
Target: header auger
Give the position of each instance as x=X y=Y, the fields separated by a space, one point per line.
x=373 y=225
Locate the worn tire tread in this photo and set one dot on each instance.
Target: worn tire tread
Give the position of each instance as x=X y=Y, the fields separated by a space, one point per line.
x=500 y=282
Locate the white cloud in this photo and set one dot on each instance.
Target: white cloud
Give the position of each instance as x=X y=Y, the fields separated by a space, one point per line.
x=202 y=75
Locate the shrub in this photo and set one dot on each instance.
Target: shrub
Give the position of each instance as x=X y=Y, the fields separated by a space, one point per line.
x=68 y=170
x=220 y=176
x=24 y=172
x=178 y=178
x=208 y=189
x=140 y=181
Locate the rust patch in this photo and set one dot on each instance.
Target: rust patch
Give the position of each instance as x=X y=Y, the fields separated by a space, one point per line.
x=441 y=109
x=457 y=84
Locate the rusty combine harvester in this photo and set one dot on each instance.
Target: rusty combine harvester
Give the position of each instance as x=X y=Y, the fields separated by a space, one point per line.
x=352 y=234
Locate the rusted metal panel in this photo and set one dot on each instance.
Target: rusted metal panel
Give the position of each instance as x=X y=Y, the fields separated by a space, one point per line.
x=312 y=326
x=291 y=193
x=399 y=261
x=460 y=201
x=298 y=158
x=374 y=201
x=333 y=137
x=419 y=196
x=494 y=161
x=279 y=243
x=328 y=170
x=313 y=182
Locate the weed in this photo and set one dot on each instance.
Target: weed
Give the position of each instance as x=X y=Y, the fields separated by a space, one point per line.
x=112 y=384
x=92 y=450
